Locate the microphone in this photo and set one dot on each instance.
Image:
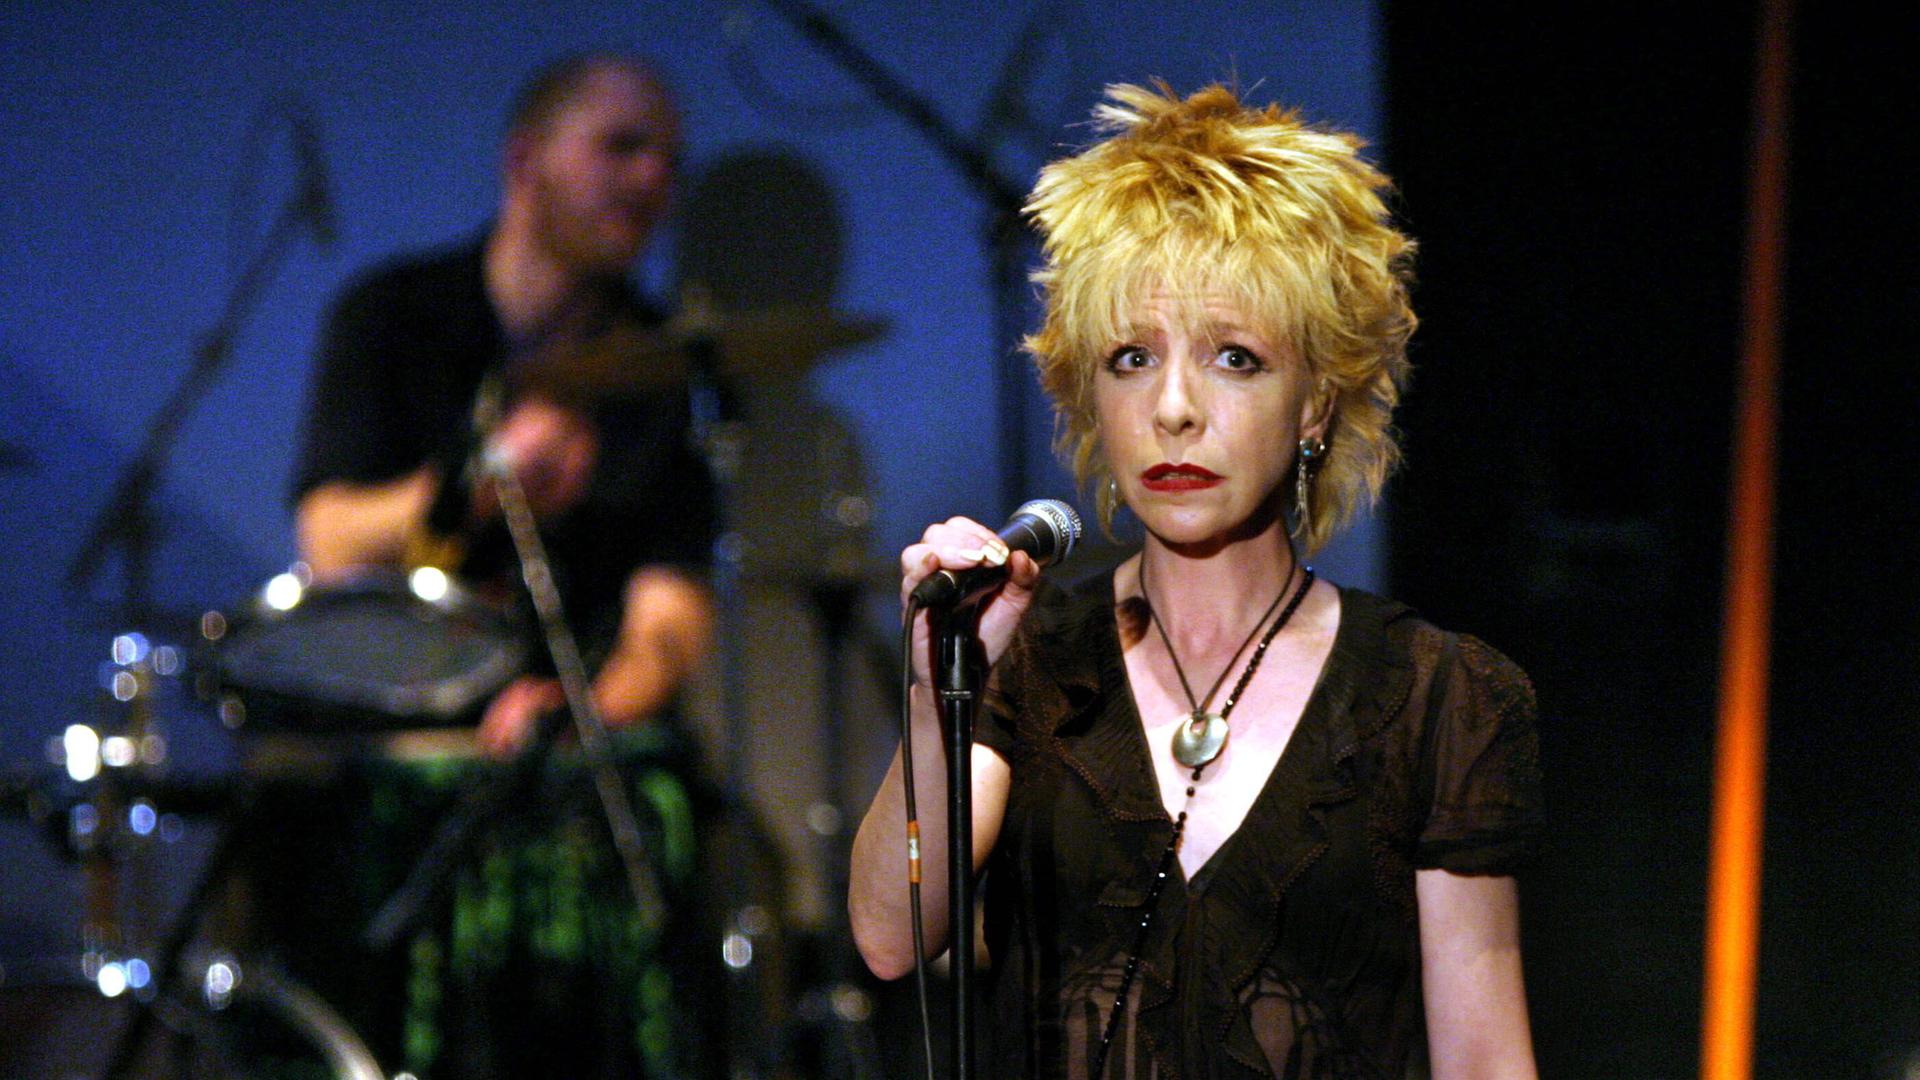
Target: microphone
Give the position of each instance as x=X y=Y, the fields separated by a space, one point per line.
x=316 y=195
x=1046 y=529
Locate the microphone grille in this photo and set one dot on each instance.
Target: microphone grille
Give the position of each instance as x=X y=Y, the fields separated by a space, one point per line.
x=1058 y=516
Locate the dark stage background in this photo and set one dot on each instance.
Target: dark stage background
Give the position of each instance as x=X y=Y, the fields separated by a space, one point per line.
x=1577 y=187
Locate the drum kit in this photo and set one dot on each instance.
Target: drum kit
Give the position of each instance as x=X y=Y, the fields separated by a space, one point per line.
x=373 y=878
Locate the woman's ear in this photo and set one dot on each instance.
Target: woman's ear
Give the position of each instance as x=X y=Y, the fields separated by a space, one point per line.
x=1316 y=410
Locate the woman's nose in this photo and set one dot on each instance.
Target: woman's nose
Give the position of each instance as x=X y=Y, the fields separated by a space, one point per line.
x=1176 y=410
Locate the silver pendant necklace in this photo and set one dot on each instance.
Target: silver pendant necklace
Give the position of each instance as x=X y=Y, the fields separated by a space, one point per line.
x=1200 y=735
x=1199 y=739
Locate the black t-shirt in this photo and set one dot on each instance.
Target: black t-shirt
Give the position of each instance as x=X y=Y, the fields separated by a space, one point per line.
x=402 y=357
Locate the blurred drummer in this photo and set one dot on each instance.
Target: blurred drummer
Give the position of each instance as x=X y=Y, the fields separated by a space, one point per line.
x=385 y=475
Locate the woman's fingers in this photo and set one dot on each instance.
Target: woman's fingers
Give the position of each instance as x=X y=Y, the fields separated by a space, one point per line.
x=1022 y=570
x=955 y=544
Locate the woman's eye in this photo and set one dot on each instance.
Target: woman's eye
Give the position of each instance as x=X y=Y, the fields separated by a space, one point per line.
x=1129 y=358
x=1239 y=358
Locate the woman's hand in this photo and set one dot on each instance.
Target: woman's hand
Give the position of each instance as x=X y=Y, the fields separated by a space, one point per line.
x=877 y=894
x=961 y=544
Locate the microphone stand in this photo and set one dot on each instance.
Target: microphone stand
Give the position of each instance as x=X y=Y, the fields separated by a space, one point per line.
x=957 y=681
x=127 y=519
x=1004 y=233
x=127 y=522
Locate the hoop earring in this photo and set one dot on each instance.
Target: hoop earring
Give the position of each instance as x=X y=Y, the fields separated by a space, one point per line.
x=1306 y=463
x=1113 y=495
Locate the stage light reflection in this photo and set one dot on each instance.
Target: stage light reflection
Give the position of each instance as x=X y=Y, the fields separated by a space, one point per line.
x=219 y=984
x=82 y=746
x=117 y=751
x=112 y=979
x=429 y=583
x=283 y=592
x=130 y=648
x=737 y=951
x=142 y=818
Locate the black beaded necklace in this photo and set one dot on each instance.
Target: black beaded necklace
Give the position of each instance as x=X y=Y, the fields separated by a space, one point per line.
x=1202 y=747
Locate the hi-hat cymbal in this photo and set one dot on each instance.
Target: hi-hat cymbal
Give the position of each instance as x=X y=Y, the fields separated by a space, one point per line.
x=769 y=344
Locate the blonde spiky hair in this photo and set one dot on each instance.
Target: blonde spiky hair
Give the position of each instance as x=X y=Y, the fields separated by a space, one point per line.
x=1208 y=196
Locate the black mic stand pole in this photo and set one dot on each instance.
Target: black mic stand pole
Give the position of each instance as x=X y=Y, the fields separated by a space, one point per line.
x=1004 y=234
x=127 y=519
x=126 y=522
x=957 y=680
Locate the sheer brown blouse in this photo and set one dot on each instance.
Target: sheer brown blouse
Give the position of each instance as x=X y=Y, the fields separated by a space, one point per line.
x=1295 y=951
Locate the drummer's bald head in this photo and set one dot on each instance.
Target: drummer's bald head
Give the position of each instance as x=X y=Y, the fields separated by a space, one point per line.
x=556 y=85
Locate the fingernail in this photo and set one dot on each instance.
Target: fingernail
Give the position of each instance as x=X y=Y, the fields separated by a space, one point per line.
x=995 y=554
x=966 y=554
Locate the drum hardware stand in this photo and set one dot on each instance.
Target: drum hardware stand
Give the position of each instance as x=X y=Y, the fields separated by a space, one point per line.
x=1005 y=238
x=719 y=436
x=454 y=837
x=127 y=522
x=174 y=947
x=838 y=1004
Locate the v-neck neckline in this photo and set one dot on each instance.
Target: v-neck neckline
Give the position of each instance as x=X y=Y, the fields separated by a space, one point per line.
x=1311 y=713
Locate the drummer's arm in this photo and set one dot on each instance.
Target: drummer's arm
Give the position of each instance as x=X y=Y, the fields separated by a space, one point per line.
x=664 y=636
x=342 y=525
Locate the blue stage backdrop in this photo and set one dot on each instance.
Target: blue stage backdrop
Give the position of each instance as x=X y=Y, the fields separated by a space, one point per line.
x=140 y=174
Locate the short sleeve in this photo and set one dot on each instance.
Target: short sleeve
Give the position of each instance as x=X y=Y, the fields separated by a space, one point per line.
x=355 y=430
x=1025 y=694
x=1482 y=766
x=997 y=727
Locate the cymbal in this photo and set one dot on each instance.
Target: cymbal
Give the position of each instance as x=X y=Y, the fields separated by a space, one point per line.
x=764 y=345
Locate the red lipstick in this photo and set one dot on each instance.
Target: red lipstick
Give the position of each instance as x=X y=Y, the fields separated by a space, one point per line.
x=1166 y=477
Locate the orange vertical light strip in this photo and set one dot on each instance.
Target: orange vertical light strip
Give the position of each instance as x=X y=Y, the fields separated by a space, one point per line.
x=1733 y=882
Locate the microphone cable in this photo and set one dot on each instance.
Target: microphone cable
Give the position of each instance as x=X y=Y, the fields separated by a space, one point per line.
x=914 y=608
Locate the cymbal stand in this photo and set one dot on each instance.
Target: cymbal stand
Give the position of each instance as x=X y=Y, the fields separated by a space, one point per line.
x=119 y=815
x=1005 y=235
x=837 y=1006
x=720 y=437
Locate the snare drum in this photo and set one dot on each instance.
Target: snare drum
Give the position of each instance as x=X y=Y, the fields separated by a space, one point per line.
x=383 y=650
